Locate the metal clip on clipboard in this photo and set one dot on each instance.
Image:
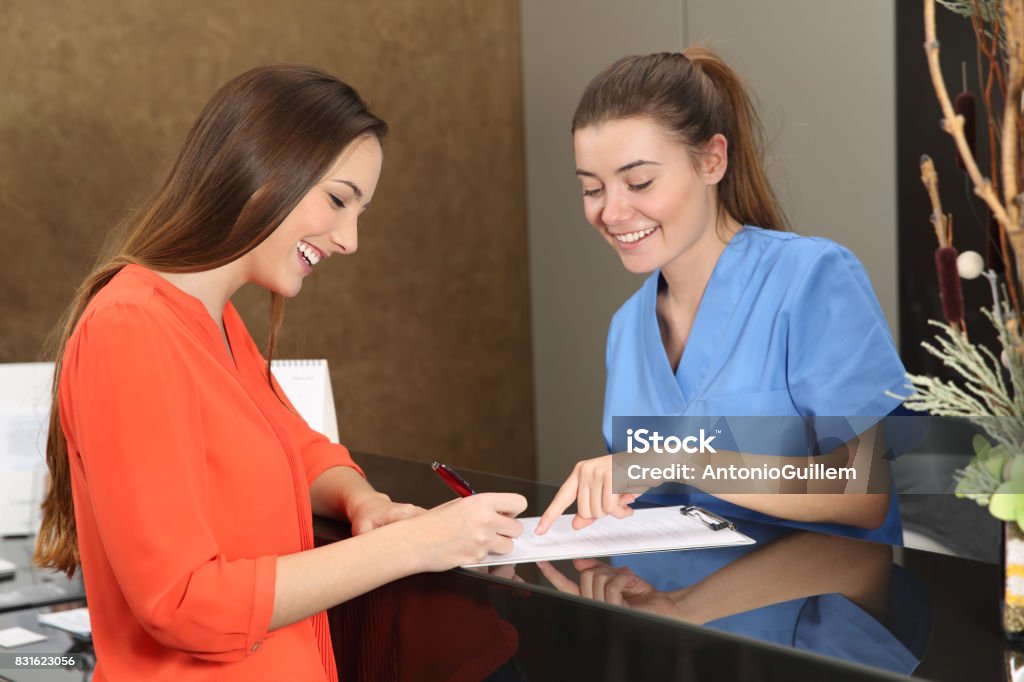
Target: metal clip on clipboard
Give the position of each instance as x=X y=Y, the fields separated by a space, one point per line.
x=709 y=519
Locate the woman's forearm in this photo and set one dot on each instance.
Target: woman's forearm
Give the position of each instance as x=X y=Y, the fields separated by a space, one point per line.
x=456 y=533
x=862 y=510
x=309 y=582
x=337 y=490
x=795 y=566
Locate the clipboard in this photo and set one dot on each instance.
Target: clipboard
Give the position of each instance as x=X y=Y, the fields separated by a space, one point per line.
x=654 y=529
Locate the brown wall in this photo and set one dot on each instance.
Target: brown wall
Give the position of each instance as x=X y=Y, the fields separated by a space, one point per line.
x=427 y=327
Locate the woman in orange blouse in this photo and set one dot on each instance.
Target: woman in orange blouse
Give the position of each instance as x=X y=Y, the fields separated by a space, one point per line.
x=182 y=480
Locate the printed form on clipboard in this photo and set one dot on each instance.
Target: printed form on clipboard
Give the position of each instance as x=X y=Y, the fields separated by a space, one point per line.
x=658 y=529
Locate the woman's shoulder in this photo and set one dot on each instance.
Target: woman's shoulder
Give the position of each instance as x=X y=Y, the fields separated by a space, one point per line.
x=792 y=255
x=791 y=245
x=130 y=300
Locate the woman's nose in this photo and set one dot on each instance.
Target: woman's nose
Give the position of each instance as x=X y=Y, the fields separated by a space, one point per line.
x=616 y=209
x=346 y=238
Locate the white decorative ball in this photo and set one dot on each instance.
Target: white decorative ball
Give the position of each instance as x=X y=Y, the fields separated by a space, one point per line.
x=970 y=264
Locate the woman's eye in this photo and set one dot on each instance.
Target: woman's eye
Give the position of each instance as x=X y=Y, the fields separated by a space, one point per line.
x=641 y=187
x=591 y=192
x=336 y=201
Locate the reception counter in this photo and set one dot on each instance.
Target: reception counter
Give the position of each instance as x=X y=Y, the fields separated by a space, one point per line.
x=794 y=606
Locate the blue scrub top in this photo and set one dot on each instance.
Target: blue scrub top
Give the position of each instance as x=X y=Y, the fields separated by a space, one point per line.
x=788 y=326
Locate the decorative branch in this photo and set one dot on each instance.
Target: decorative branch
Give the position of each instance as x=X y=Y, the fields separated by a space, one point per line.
x=954 y=123
x=989 y=46
x=1013 y=15
x=931 y=182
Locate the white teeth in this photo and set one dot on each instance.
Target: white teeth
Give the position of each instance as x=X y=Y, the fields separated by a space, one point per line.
x=311 y=255
x=631 y=237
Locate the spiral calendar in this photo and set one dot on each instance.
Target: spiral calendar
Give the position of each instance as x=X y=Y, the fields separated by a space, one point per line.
x=307 y=383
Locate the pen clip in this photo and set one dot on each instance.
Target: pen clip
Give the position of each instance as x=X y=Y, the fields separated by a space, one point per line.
x=709 y=519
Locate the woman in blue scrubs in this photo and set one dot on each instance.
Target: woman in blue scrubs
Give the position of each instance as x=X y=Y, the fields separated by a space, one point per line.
x=739 y=317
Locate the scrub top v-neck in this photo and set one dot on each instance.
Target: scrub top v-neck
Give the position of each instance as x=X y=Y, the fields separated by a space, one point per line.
x=717 y=305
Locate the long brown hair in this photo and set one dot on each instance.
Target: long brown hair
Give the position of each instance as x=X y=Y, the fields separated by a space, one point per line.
x=256 y=148
x=694 y=95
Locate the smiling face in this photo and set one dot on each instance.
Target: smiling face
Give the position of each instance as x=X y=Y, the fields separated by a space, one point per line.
x=644 y=193
x=321 y=224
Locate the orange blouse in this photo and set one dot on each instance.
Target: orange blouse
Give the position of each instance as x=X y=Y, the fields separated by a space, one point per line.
x=189 y=478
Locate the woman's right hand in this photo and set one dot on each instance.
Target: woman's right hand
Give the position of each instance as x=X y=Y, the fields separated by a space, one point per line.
x=466 y=530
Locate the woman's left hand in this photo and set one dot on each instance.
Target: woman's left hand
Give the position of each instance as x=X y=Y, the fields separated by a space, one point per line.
x=375 y=509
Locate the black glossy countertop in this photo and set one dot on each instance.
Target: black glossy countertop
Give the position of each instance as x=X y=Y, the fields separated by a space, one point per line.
x=796 y=605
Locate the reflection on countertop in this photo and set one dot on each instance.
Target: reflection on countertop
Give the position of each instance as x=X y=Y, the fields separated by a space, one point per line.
x=827 y=594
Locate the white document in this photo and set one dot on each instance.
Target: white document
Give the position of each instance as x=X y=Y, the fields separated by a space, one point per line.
x=75 y=621
x=13 y=637
x=24 y=415
x=307 y=383
x=656 y=529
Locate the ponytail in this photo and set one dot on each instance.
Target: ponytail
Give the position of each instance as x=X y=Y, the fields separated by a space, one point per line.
x=744 y=192
x=694 y=95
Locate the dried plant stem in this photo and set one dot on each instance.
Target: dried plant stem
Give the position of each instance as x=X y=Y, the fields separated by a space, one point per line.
x=1008 y=216
x=1014 y=20
x=953 y=123
x=930 y=178
x=1010 y=279
x=988 y=47
x=988 y=44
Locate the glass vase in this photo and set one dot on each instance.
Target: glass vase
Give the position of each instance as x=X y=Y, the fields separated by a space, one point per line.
x=1013 y=583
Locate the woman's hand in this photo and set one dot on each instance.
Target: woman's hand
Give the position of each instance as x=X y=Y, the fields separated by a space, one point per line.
x=590 y=486
x=374 y=510
x=466 y=530
x=618 y=586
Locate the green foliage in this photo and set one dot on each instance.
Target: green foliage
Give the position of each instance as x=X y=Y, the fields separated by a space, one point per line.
x=995 y=476
x=989 y=11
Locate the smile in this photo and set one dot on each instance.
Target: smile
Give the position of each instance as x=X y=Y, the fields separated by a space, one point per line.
x=634 y=237
x=308 y=253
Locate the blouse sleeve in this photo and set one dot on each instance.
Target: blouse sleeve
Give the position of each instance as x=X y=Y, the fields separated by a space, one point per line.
x=136 y=422
x=841 y=357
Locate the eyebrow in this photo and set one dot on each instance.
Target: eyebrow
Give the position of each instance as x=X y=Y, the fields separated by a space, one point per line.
x=628 y=166
x=355 y=188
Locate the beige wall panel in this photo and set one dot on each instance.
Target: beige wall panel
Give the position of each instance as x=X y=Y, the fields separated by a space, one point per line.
x=830 y=117
x=577 y=280
x=427 y=327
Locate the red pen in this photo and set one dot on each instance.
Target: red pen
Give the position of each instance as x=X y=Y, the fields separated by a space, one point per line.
x=457 y=483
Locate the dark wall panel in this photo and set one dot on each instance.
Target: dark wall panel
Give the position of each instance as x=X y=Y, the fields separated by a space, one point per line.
x=427 y=327
x=918 y=132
